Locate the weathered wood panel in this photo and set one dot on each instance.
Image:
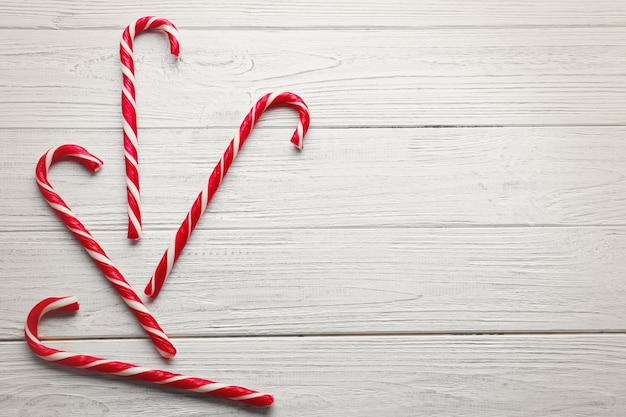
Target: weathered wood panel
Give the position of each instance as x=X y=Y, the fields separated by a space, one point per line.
x=343 y=280
x=54 y=14
x=518 y=376
x=343 y=178
x=369 y=78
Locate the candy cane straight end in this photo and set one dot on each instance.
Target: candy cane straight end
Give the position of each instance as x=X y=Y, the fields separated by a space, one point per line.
x=265 y=400
x=150 y=289
x=298 y=143
x=124 y=369
x=133 y=234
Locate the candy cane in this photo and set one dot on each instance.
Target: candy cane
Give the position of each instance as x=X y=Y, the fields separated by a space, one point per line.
x=129 y=111
x=200 y=204
x=124 y=369
x=95 y=251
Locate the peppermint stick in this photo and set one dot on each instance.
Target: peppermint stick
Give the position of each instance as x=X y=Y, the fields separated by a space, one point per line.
x=93 y=249
x=129 y=111
x=124 y=369
x=200 y=204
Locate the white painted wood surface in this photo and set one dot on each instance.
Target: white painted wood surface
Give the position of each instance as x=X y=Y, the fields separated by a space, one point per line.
x=366 y=78
x=487 y=376
x=450 y=242
x=50 y=14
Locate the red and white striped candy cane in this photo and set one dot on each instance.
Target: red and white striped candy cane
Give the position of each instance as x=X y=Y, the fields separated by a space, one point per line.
x=200 y=204
x=129 y=111
x=124 y=369
x=95 y=251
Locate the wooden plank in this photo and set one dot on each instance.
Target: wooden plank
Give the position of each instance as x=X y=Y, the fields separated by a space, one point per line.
x=470 y=376
x=338 y=281
x=479 y=76
x=318 y=14
x=343 y=178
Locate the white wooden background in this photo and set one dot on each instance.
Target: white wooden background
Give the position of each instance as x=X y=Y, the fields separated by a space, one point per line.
x=451 y=241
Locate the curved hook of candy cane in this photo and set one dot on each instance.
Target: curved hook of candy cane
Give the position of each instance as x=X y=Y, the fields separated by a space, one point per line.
x=200 y=204
x=129 y=110
x=124 y=369
x=91 y=246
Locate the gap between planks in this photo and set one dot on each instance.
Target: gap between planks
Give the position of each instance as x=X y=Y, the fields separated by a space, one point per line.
x=343 y=28
x=365 y=228
x=334 y=127
x=461 y=333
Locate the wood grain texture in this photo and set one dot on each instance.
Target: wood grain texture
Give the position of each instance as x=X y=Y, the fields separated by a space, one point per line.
x=343 y=178
x=55 y=14
x=464 y=175
x=369 y=78
x=401 y=376
x=345 y=280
